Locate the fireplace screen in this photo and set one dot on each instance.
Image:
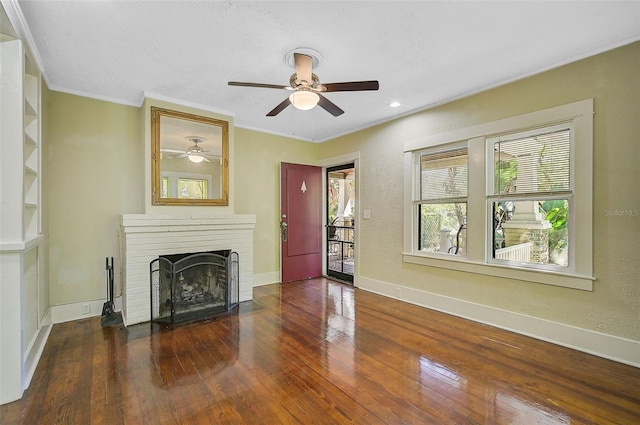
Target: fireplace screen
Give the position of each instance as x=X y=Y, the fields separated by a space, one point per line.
x=187 y=287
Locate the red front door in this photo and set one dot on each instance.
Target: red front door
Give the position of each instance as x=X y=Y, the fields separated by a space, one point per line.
x=300 y=221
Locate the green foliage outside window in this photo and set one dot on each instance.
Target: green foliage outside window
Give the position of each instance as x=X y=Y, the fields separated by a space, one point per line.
x=556 y=212
x=506 y=176
x=192 y=188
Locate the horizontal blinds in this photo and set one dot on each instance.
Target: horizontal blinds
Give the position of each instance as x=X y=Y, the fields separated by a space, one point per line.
x=535 y=164
x=443 y=175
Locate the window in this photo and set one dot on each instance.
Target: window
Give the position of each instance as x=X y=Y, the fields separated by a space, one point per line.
x=442 y=201
x=192 y=188
x=185 y=185
x=505 y=198
x=530 y=196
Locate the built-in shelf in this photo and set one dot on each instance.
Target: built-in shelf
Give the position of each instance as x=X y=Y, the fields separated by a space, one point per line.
x=31 y=130
x=29 y=111
x=31 y=195
x=31 y=92
x=31 y=159
x=20 y=160
x=29 y=139
x=30 y=220
x=24 y=299
x=30 y=170
x=31 y=190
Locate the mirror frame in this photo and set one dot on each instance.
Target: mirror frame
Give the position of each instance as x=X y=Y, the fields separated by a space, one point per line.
x=156 y=136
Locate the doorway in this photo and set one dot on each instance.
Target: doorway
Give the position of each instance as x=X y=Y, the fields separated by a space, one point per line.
x=341 y=208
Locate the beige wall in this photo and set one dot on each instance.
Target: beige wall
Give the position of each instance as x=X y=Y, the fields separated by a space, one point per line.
x=93 y=157
x=614 y=305
x=257 y=187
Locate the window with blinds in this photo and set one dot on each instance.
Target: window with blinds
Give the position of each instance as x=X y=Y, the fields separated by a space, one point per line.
x=531 y=196
x=442 y=201
x=536 y=162
x=510 y=198
x=444 y=175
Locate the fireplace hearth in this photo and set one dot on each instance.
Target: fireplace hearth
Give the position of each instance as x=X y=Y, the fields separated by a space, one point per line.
x=187 y=287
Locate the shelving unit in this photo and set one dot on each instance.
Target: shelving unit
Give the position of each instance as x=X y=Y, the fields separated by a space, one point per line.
x=21 y=137
x=23 y=291
x=31 y=194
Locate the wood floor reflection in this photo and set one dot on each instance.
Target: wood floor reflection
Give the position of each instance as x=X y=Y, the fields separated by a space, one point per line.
x=319 y=352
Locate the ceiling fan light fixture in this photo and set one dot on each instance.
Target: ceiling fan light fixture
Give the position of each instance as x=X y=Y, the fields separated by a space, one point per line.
x=304 y=99
x=195 y=158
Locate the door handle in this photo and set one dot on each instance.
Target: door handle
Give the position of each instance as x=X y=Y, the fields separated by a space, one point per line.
x=283 y=230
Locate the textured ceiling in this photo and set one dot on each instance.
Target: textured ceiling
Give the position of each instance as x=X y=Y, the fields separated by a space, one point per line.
x=423 y=53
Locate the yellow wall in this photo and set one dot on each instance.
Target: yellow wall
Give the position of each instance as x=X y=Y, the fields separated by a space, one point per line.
x=614 y=305
x=93 y=157
x=257 y=188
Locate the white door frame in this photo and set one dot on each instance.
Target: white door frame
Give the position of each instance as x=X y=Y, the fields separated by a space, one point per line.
x=348 y=158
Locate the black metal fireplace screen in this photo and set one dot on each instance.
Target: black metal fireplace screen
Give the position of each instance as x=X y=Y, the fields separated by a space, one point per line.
x=187 y=287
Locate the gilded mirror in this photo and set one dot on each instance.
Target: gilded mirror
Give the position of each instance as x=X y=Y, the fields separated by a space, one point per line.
x=190 y=159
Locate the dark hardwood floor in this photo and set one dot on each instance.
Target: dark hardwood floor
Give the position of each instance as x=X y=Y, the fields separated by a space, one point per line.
x=320 y=352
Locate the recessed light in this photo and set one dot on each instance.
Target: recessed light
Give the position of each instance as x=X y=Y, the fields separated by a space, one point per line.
x=394 y=104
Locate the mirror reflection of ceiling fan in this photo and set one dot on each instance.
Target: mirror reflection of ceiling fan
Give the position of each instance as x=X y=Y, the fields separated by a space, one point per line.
x=194 y=153
x=306 y=87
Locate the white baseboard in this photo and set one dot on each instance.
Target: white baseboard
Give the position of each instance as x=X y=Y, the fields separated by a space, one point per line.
x=603 y=345
x=75 y=311
x=34 y=350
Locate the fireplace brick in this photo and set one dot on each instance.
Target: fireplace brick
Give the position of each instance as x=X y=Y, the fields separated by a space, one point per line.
x=145 y=237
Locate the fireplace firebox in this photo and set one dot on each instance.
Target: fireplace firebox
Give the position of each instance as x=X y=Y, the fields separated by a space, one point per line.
x=187 y=287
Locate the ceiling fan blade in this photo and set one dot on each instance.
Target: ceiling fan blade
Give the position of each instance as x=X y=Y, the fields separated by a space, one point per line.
x=351 y=86
x=329 y=106
x=275 y=111
x=259 y=85
x=176 y=155
x=304 y=64
x=169 y=150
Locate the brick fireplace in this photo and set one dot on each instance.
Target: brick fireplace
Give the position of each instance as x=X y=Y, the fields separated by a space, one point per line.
x=145 y=237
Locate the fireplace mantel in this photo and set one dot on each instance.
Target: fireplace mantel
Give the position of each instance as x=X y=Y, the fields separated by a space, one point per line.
x=144 y=237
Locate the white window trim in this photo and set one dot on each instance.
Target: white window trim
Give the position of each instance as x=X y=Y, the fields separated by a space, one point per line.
x=476 y=261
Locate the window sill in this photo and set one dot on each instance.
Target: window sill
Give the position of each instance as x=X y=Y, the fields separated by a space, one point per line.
x=566 y=280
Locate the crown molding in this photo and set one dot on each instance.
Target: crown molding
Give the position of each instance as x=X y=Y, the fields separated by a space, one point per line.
x=19 y=23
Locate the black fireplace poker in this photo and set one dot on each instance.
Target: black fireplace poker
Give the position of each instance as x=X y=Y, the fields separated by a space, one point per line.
x=109 y=316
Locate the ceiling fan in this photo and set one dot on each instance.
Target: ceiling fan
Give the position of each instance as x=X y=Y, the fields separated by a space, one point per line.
x=307 y=89
x=194 y=153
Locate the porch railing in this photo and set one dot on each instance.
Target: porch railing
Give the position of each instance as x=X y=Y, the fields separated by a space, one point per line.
x=340 y=245
x=520 y=253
